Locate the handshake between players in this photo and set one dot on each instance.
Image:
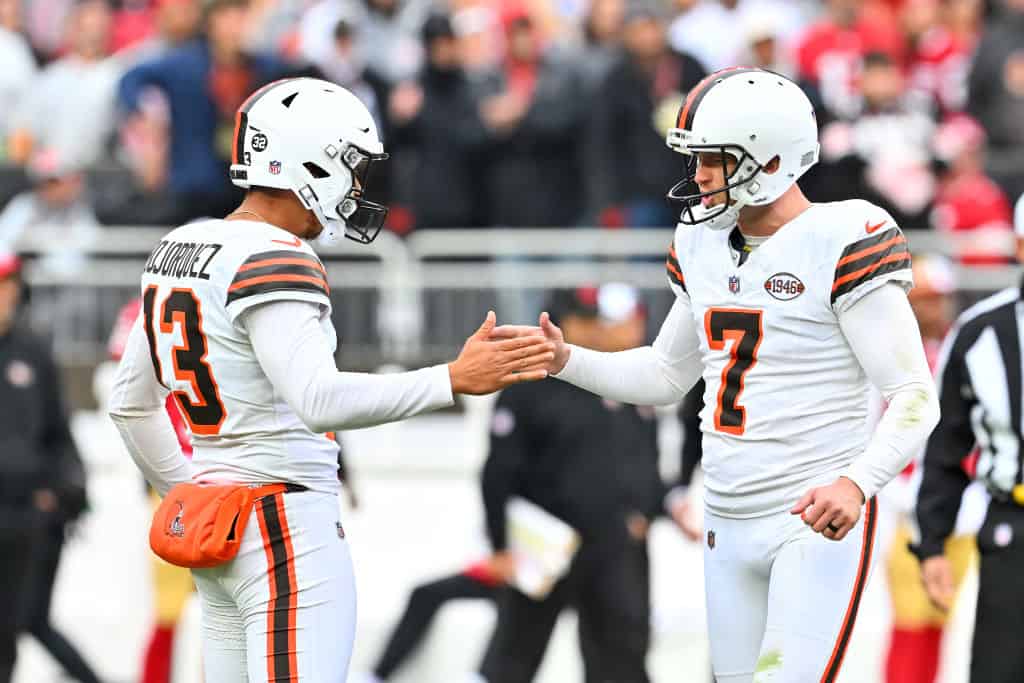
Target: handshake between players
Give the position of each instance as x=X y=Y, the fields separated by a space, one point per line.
x=487 y=364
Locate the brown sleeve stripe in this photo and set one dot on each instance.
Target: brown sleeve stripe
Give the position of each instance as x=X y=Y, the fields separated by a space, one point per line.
x=274 y=283
x=858 y=255
x=675 y=273
x=882 y=246
x=868 y=242
x=868 y=258
x=250 y=264
x=308 y=259
x=851 y=281
x=861 y=262
x=272 y=271
x=286 y=278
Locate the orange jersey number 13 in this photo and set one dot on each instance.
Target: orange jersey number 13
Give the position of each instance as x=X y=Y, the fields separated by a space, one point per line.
x=182 y=308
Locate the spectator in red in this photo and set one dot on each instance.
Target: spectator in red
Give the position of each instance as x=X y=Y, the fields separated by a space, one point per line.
x=134 y=22
x=160 y=27
x=939 y=57
x=532 y=107
x=969 y=207
x=830 y=53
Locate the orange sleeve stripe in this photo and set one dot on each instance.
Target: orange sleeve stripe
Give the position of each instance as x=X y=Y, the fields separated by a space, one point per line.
x=672 y=252
x=864 y=271
x=675 y=272
x=278 y=278
x=871 y=250
x=309 y=262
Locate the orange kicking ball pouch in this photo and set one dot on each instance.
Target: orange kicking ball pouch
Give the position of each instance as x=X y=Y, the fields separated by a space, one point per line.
x=201 y=525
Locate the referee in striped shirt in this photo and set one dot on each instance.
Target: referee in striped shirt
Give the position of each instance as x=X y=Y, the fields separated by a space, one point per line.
x=980 y=378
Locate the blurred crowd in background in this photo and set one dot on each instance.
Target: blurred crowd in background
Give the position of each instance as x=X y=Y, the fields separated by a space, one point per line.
x=511 y=113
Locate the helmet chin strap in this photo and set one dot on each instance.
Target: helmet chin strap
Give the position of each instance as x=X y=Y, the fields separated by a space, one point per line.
x=723 y=221
x=740 y=196
x=333 y=232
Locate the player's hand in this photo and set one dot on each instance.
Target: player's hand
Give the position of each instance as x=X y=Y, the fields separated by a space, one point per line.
x=637 y=525
x=682 y=514
x=554 y=334
x=502 y=566
x=831 y=510
x=45 y=500
x=937 y=575
x=486 y=365
x=546 y=328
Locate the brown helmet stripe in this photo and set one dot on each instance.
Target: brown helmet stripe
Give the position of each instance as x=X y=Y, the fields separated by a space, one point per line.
x=242 y=117
x=693 y=99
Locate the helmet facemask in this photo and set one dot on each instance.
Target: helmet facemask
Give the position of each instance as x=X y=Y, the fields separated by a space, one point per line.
x=350 y=215
x=689 y=195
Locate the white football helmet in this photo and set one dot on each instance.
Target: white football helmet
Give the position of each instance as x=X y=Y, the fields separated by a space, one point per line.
x=753 y=115
x=318 y=140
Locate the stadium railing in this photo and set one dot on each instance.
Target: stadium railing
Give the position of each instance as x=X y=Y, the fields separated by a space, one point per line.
x=405 y=302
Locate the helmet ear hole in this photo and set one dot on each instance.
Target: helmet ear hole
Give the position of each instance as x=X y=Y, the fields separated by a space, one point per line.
x=773 y=165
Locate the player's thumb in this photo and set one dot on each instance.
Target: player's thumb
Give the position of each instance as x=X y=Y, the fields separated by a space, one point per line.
x=549 y=328
x=485 y=329
x=802 y=504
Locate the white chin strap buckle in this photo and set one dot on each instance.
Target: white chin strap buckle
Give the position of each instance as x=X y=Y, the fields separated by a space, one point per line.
x=333 y=229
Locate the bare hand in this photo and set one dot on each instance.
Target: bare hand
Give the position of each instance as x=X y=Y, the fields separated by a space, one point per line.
x=503 y=112
x=486 y=365
x=638 y=526
x=406 y=102
x=831 y=510
x=937 y=575
x=682 y=515
x=549 y=330
x=502 y=566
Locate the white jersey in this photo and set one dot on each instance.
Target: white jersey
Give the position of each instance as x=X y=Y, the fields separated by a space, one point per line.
x=786 y=403
x=197 y=282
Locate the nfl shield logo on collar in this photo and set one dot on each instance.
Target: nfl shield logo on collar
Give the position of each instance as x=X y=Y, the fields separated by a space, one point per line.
x=275 y=167
x=734 y=284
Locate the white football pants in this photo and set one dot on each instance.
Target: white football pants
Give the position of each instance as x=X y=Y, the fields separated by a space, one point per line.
x=782 y=600
x=284 y=609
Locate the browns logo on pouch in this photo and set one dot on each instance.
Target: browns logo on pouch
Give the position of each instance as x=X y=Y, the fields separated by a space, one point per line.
x=784 y=286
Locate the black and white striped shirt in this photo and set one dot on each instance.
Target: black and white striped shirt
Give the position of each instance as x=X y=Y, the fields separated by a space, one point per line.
x=980 y=383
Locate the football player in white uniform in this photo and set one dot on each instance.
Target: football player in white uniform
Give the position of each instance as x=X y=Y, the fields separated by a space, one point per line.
x=236 y=325
x=788 y=310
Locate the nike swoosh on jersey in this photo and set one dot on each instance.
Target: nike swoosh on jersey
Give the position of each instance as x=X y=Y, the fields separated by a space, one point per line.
x=294 y=243
x=872 y=228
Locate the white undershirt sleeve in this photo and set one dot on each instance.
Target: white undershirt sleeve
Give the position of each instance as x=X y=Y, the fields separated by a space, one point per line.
x=138 y=410
x=883 y=334
x=650 y=375
x=300 y=365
